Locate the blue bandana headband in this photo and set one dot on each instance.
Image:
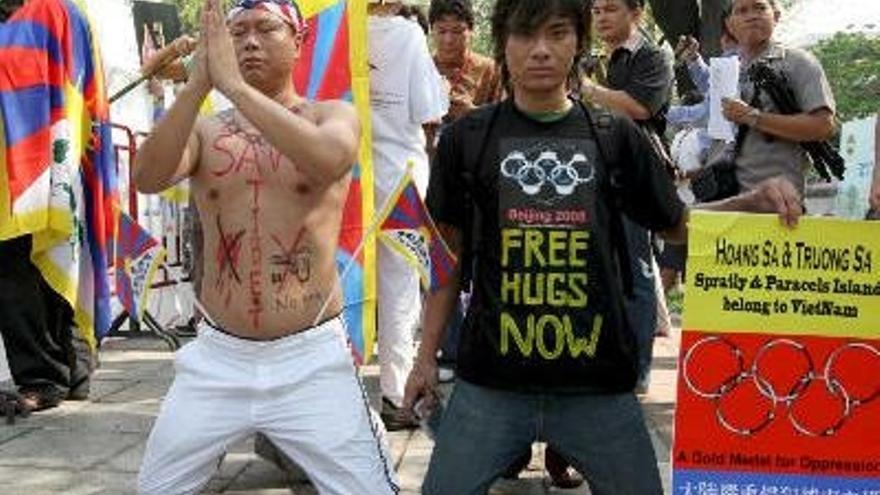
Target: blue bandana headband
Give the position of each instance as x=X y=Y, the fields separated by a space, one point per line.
x=288 y=11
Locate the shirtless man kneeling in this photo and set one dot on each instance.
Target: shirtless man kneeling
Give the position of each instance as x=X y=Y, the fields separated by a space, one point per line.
x=270 y=179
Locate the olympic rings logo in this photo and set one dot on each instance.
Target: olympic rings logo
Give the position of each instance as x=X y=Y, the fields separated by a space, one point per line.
x=786 y=394
x=547 y=168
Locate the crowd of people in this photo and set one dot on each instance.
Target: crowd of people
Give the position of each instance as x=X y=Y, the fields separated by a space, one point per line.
x=557 y=189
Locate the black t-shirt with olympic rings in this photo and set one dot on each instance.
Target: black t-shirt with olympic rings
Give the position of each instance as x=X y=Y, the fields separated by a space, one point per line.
x=547 y=307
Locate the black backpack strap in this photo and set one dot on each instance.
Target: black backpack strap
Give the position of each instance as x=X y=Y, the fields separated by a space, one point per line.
x=605 y=142
x=742 y=130
x=472 y=141
x=826 y=160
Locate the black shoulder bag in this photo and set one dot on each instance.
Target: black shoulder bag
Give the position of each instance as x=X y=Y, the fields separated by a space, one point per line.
x=717 y=179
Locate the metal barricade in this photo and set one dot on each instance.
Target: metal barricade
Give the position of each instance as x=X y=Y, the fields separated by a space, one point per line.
x=125 y=149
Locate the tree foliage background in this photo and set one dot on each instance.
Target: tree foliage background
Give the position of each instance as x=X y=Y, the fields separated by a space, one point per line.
x=190 y=11
x=852 y=64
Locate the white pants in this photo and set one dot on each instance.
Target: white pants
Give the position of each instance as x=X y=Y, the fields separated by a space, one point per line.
x=301 y=391
x=399 y=310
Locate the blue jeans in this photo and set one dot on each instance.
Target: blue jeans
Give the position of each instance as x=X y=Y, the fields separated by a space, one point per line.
x=484 y=430
x=641 y=308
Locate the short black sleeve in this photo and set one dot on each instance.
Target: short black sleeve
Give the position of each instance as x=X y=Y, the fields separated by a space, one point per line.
x=645 y=75
x=445 y=198
x=648 y=194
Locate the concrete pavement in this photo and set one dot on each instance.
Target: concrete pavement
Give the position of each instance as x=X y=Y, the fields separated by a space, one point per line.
x=95 y=447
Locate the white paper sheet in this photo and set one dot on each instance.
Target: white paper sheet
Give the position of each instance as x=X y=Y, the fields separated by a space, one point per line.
x=723 y=83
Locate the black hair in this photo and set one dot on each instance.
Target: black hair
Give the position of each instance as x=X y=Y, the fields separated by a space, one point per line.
x=462 y=9
x=526 y=16
x=8 y=7
x=630 y=4
x=727 y=10
x=416 y=14
x=634 y=4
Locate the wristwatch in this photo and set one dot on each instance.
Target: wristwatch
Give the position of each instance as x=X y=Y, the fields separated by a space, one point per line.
x=752 y=117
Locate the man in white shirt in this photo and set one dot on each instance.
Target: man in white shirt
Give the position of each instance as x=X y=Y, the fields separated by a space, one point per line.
x=406 y=93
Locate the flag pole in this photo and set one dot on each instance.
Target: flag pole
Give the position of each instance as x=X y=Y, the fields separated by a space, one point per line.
x=143 y=77
x=371 y=231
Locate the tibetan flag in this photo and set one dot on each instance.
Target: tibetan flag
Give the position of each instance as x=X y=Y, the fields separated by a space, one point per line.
x=407 y=228
x=137 y=257
x=333 y=65
x=57 y=176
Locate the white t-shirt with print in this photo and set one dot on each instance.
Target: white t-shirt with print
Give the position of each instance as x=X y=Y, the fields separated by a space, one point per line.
x=406 y=91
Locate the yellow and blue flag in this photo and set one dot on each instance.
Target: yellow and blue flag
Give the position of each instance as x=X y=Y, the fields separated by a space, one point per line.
x=137 y=256
x=57 y=173
x=333 y=65
x=406 y=227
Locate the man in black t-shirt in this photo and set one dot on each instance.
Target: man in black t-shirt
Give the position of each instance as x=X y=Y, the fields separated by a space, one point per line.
x=546 y=354
x=639 y=74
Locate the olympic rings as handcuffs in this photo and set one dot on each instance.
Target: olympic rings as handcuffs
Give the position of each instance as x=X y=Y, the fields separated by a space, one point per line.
x=742 y=377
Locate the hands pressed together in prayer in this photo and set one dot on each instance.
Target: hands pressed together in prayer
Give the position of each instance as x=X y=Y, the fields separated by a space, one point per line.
x=215 y=64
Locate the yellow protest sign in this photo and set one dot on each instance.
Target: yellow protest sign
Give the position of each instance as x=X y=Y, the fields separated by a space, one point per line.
x=747 y=273
x=779 y=368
